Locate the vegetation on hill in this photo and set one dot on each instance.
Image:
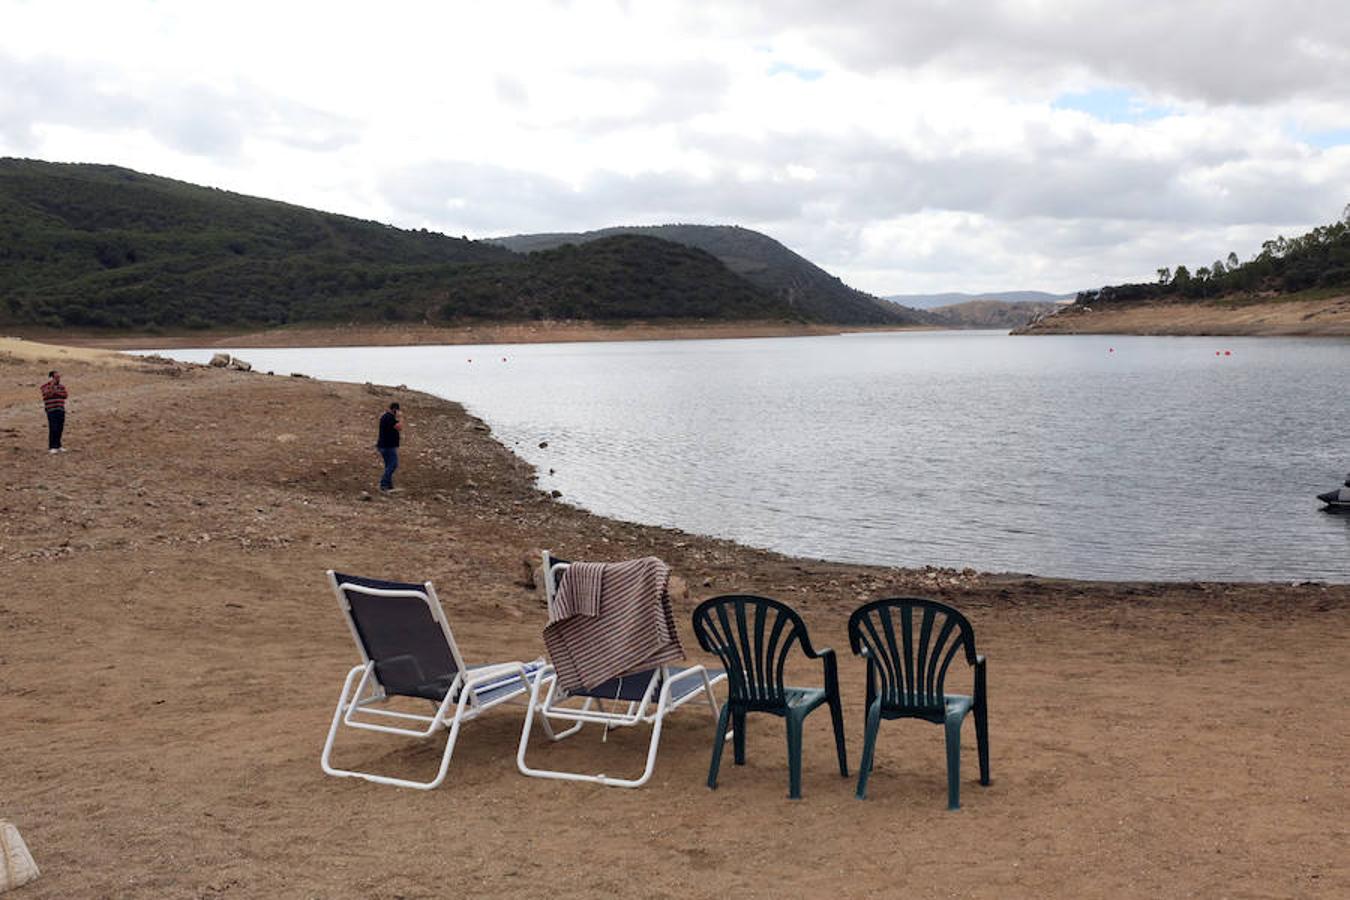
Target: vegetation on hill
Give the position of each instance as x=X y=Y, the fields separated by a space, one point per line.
x=809 y=290
x=1318 y=259
x=106 y=247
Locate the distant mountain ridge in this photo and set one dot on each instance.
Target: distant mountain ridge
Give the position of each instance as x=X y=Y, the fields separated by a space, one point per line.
x=106 y=247
x=804 y=286
x=951 y=298
x=994 y=313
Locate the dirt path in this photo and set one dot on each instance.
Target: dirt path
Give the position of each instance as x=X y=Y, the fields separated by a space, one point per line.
x=169 y=657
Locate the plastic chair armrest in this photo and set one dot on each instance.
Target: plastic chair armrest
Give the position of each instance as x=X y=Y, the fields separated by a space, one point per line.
x=831 y=669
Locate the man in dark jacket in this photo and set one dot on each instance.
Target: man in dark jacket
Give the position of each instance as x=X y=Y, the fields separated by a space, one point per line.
x=391 y=424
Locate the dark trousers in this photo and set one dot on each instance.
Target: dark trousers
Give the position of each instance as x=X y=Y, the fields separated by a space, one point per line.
x=56 y=423
x=390 y=456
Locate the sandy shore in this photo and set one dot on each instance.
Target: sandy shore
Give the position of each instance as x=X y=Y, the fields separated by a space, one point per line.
x=486 y=333
x=170 y=656
x=1328 y=317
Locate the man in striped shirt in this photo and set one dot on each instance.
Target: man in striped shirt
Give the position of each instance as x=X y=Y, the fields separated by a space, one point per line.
x=54 y=396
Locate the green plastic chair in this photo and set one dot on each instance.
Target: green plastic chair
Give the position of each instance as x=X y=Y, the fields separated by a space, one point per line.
x=907 y=664
x=752 y=636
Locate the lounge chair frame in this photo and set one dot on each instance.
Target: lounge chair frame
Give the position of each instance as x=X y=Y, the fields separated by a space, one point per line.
x=669 y=685
x=475 y=690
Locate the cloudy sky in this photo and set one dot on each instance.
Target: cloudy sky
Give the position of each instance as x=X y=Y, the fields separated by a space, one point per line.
x=905 y=145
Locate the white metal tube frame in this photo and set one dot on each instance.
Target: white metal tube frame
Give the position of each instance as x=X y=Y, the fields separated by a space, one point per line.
x=463 y=695
x=592 y=710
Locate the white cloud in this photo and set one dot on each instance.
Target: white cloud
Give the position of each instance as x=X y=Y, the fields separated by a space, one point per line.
x=905 y=146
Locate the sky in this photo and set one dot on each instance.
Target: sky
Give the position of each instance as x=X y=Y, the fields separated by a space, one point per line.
x=907 y=146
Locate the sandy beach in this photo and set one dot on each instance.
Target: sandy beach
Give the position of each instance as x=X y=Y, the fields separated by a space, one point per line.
x=170 y=655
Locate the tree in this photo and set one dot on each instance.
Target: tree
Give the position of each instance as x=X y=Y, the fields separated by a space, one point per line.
x=1164 y=275
x=1181 y=276
x=1217 y=270
x=1233 y=261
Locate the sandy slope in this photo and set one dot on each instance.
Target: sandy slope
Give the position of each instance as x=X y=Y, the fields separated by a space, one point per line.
x=169 y=657
x=485 y=333
x=1329 y=317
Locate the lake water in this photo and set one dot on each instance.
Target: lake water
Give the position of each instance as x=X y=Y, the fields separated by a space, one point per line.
x=1099 y=457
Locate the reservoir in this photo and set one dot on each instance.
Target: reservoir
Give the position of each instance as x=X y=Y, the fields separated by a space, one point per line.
x=1097 y=457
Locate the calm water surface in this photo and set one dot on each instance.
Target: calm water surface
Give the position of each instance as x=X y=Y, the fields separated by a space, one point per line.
x=1081 y=456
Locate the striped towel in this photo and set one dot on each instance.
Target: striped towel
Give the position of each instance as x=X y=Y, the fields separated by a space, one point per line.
x=611 y=619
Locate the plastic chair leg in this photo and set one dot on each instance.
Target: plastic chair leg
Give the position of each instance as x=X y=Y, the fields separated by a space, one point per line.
x=869 y=747
x=954 y=761
x=982 y=740
x=837 y=717
x=718 y=742
x=738 y=737
x=794 y=741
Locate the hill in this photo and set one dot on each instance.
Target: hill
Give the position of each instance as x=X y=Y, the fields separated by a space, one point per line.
x=1293 y=286
x=993 y=313
x=106 y=247
x=808 y=289
x=952 y=298
x=1319 y=260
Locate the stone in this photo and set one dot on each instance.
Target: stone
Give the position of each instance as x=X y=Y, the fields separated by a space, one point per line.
x=240 y=365
x=220 y=360
x=16 y=863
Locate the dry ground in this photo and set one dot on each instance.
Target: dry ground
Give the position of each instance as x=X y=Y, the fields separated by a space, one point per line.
x=397 y=335
x=169 y=657
x=1325 y=318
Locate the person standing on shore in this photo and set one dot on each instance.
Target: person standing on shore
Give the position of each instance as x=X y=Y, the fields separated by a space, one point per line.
x=391 y=424
x=54 y=396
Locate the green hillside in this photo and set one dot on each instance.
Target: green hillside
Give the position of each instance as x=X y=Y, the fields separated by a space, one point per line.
x=1318 y=259
x=106 y=247
x=814 y=293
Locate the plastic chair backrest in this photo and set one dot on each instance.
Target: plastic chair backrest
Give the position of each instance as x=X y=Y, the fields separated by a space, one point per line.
x=397 y=627
x=907 y=661
x=752 y=636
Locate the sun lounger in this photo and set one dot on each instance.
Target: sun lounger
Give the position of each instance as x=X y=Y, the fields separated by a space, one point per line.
x=638 y=698
x=408 y=650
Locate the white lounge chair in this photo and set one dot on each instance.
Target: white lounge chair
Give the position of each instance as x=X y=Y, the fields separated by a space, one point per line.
x=407 y=650
x=639 y=698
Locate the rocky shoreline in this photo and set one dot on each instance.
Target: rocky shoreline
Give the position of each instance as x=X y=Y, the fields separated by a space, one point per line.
x=485 y=333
